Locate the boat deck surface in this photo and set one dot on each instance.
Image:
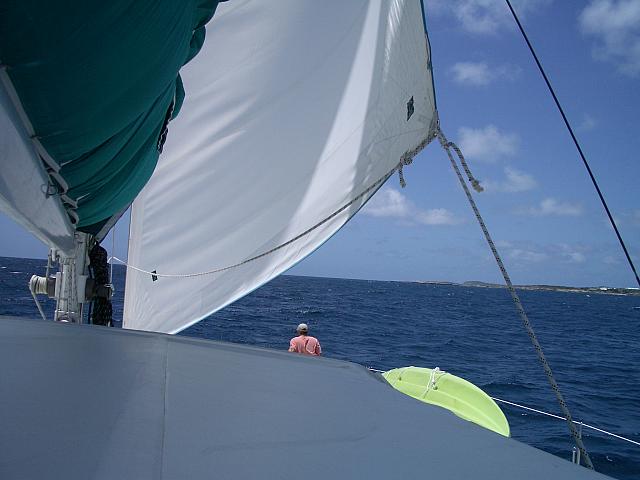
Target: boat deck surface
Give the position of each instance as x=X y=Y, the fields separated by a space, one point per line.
x=85 y=402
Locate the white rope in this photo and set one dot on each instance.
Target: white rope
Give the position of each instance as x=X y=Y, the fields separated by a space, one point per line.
x=35 y=299
x=562 y=418
x=406 y=159
x=433 y=378
x=448 y=146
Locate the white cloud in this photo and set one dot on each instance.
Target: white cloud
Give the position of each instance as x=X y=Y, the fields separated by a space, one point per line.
x=617 y=220
x=588 y=123
x=523 y=253
x=571 y=254
x=611 y=260
x=503 y=244
x=529 y=252
x=528 y=256
x=628 y=219
x=472 y=73
x=488 y=143
x=615 y=26
x=550 y=206
x=515 y=181
x=483 y=16
x=436 y=216
x=518 y=181
x=480 y=73
x=390 y=203
x=576 y=257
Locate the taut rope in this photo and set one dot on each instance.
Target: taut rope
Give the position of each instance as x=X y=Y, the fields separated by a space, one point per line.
x=448 y=146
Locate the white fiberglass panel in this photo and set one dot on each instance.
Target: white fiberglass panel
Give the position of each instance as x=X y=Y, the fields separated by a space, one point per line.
x=294 y=109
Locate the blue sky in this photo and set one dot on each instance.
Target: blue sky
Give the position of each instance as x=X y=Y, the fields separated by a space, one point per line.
x=539 y=203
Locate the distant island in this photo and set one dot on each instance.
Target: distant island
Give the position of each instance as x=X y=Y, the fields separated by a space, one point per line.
x=553 y=288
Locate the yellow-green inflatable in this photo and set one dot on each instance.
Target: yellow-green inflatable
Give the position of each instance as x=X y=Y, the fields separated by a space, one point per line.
x=453 y=393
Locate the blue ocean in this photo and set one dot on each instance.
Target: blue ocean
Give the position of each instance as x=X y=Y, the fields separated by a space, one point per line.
x=591 y=341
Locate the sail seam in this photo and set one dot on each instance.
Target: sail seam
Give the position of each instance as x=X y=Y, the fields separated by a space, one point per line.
x=405 y=159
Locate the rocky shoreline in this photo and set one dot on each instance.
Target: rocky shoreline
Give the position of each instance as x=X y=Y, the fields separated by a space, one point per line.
x=553 y=288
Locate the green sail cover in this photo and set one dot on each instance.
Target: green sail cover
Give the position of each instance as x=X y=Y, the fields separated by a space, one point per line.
x=97 y=81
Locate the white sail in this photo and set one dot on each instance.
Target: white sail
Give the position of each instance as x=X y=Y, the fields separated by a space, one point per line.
x=23 y=180
x=296 y=112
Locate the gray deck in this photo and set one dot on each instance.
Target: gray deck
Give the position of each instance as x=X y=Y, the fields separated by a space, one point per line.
x=81 y=402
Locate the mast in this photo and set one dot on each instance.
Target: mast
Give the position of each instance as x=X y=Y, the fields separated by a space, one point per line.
x=82 y=277
x=71 y=282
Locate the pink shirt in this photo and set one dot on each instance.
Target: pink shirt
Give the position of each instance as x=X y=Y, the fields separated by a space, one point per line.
x=306 y=345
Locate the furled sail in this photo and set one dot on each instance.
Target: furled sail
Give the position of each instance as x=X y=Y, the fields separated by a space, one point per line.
x=296 y=112
x=87 y=90
x=22 y=178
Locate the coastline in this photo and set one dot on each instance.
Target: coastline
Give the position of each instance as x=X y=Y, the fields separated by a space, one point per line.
x=551 y=288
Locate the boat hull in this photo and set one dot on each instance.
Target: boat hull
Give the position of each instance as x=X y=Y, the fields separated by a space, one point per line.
x=88 y=402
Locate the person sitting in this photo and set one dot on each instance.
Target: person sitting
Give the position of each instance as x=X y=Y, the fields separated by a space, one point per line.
x=304 y=343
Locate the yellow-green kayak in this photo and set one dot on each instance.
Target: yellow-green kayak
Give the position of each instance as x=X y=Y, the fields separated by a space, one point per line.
x=453 y=393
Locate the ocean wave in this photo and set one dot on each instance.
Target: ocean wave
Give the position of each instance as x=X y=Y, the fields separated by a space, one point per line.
x=311 y=311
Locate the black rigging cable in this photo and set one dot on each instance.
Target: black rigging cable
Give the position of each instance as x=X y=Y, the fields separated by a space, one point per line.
x=575 y=141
